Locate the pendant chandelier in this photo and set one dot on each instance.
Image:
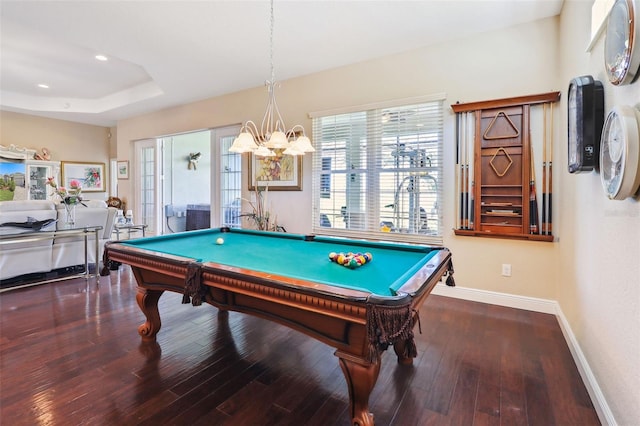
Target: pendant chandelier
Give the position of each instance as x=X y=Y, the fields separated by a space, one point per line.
x=273 y=134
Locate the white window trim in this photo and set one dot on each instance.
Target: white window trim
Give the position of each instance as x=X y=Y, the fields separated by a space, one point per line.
x=380 y=105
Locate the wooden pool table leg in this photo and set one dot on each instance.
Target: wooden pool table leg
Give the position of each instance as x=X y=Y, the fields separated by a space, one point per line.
x=399 y=349
x=361 y=378
x=148 y=303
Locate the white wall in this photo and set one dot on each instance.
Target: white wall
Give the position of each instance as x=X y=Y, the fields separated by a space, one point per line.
x=599 y=275
x=592 y=270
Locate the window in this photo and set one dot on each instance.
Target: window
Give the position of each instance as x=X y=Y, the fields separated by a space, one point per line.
x=230 y=182
x=325 y=178
x=378 y=172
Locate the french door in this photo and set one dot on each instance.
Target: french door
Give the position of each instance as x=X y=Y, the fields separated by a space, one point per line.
x=148 y=185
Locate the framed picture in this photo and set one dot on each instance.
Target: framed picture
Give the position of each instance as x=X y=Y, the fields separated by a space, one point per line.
x=123 y=170
x=90 y=175
x=279 y=173
x=13 y=180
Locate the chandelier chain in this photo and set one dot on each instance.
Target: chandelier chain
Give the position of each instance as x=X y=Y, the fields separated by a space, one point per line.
x=271 y=45
x=273 y=134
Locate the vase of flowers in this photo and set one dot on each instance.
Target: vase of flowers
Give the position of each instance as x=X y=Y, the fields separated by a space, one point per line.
x=70 y=198
x=260 y=215
x=70 y=215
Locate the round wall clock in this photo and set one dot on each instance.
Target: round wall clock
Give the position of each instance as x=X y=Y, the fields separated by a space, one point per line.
x=586 y=116
x=620 y=153
x=621 y=50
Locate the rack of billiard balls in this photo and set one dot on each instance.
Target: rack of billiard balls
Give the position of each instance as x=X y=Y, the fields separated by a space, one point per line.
x=350 y=260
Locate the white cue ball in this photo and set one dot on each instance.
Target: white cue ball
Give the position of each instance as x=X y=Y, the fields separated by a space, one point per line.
x=219 y=241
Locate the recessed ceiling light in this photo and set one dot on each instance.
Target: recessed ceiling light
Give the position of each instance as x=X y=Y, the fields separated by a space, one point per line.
x=43 y=86
x=102 y=58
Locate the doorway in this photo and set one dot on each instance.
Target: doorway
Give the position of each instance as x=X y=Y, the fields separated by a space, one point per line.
x=147 y=184
x=188 y=181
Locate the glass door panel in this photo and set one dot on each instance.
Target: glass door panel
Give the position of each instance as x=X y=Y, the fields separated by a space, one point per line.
x=147 y=185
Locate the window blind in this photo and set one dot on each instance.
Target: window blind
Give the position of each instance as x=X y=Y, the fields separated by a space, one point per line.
x=377 y=172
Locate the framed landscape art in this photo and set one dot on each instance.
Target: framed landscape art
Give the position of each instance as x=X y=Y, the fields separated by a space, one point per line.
x=123 y=170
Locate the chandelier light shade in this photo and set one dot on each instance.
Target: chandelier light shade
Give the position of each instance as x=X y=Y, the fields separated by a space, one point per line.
x=272 y=134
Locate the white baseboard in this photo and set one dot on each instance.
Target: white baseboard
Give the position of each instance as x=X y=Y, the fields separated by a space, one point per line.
x=597 y=398
x=548 y=307
x=495 y=298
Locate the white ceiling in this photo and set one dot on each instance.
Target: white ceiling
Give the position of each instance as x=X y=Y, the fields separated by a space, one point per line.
x=166 y=53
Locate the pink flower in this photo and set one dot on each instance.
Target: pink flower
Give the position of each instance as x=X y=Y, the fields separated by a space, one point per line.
x=68 y=196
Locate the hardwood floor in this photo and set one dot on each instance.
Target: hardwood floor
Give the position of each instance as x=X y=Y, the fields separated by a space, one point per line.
x=71 y=354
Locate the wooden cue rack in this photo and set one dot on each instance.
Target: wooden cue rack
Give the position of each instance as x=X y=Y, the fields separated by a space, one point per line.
x=495 y=175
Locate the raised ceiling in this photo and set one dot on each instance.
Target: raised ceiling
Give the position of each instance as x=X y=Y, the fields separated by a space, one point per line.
x=166 y=53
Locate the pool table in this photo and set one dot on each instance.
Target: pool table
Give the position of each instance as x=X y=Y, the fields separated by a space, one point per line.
x=289 y=278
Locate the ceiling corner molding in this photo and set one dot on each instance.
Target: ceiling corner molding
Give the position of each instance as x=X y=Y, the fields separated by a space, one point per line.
x=599 y=14
x=110 y=102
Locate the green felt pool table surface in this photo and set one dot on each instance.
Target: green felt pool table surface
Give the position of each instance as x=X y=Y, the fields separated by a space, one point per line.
x=297 y=257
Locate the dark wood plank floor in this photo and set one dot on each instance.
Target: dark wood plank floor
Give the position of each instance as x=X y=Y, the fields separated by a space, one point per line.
x=71 y=354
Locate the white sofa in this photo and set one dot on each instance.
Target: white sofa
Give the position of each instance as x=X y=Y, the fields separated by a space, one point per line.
x=46 y=255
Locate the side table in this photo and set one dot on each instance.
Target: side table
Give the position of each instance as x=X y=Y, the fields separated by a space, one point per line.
x=120 y=228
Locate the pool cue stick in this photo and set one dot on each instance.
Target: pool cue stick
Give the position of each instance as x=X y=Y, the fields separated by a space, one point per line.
x=533 y=201
x=467 y=137
x=465 y=175
x=458 y=182
x=550 y=170
x=544 y=169
x=470 y=167
x=460 y=169
x=465 y=171
x=461 y=176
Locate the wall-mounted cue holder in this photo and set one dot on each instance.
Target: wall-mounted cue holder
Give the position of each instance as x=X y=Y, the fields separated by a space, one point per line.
x=497 y=191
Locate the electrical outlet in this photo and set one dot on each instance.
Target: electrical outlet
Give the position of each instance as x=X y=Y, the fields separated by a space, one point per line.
x=506 y=269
